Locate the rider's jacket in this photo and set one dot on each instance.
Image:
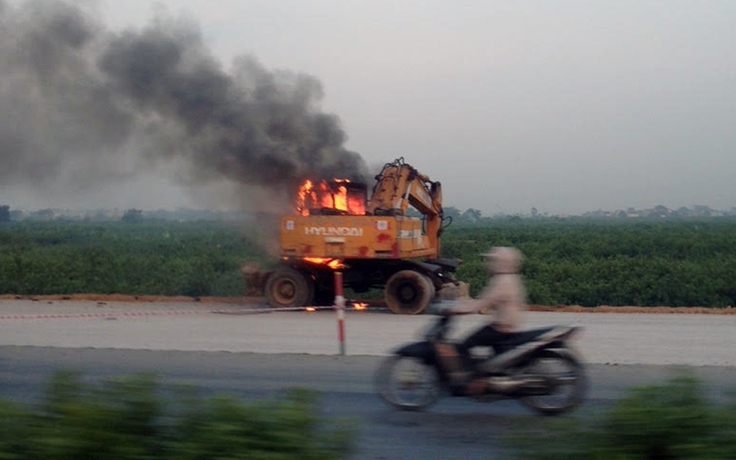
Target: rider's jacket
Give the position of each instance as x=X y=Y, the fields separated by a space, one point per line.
x=505 y=296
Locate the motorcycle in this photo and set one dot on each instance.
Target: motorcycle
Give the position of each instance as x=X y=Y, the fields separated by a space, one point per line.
x=539 y=367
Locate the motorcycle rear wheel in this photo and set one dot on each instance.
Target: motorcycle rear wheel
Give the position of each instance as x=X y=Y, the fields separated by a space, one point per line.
x=408 y=383
x=567 y=383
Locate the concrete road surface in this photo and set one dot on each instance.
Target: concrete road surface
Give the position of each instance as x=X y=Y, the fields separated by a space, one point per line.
x=609 y=338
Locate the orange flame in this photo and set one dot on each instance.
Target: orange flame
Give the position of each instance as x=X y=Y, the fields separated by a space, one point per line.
x=334 y=264
x=310 y=309
x=317 y=260
x=329 y=195
x=360 y=305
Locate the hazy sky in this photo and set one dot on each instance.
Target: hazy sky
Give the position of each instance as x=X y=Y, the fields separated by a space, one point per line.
x=566 y=106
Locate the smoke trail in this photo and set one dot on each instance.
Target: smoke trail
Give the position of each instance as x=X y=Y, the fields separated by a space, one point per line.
x=77 y=98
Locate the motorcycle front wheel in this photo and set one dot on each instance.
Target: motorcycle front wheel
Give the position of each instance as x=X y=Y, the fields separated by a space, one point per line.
x=408 y=383
x=565 y=383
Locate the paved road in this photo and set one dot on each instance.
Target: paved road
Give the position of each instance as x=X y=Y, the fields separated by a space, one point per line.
x=609 y=337
x=454 y=428
x=256 y=355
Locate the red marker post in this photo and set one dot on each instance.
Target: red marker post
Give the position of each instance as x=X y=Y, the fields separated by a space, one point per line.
x=340 y=310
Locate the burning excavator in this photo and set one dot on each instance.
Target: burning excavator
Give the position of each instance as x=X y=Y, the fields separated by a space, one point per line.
x=373 y=241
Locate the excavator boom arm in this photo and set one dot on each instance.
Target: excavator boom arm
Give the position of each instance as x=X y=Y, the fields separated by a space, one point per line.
x=399 y=185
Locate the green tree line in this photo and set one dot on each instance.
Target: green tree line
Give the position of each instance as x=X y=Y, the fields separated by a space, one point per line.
x=592 y=263
x=586 y=263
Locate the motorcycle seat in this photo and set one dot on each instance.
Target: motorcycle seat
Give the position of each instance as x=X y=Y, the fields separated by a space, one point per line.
x=514 y=339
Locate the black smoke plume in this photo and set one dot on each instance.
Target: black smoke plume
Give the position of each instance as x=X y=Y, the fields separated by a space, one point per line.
x=77 y=98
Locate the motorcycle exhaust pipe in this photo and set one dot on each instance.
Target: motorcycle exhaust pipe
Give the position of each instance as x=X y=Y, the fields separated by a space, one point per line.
x=517 y=386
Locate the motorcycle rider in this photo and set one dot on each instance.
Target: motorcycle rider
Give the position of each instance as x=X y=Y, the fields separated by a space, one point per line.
x=504 y=297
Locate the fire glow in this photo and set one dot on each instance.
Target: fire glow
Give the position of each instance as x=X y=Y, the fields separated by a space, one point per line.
x=335 y=264
x=337 y=196
x=360 y=306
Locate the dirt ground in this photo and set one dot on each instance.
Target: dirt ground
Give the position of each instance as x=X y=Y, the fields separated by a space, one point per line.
x=260 y=300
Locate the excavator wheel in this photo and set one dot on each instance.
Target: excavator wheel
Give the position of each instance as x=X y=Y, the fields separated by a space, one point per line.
x=408 y=292
x=289 y=288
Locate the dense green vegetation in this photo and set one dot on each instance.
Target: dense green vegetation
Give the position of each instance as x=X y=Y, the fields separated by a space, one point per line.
x=135 y=417
x=166 y=258
x=574 y=262
x=670 y=421
x=592 y=262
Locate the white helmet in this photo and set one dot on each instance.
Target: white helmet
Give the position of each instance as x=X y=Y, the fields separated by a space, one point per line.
x=504 y=260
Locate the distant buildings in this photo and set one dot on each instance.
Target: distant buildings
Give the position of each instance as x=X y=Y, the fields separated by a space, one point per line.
x=662 y=212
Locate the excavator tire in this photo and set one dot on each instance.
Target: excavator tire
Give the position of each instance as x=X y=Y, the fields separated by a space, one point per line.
x=289 y=288
x=408 y=292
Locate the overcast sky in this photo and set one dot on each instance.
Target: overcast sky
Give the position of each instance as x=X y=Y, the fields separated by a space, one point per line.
x=565 y=106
